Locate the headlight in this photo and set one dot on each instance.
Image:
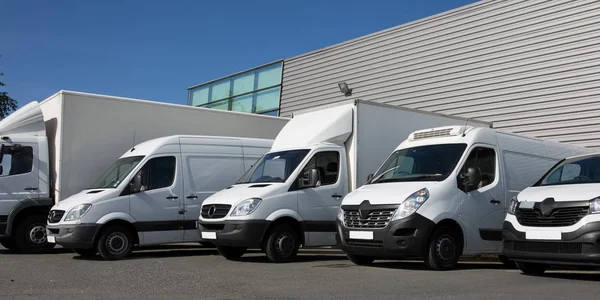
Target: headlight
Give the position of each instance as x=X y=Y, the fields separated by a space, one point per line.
x=595 y=206
x=245 y=207
x=411 y=204
x=512 y=207
x=77 y=212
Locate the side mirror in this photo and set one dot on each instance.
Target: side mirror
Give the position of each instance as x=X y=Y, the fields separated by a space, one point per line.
x=136 y=184
x=313 y=178
x=471 y=179
x=369 y=178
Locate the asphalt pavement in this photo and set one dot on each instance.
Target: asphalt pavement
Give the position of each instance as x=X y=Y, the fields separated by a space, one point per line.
x=190 y=272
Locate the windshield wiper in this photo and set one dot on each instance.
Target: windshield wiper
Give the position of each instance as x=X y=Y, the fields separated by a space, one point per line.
x=415 y=178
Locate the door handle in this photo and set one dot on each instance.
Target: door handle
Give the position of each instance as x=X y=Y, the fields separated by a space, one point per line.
x=172 y=197
x=495 y=202
x=30 y=189
x=192 y=197
x=336 y=196
x=182 y=211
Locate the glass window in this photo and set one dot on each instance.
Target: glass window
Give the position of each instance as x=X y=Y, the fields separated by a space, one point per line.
x=223 y=105
x=200 y=96
x=271 y=113
x=269 y=76
x=327 y=163
x=274 y=167
x=220 y=89
x=242 y=103
x=424 y=163
x=158 y=173
x=243 y=83
x=16 y=160
x=485 y=160
x=267 y=100
x=116 y=173
x=573 y=171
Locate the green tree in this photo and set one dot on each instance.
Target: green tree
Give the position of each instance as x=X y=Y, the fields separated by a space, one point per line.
x=7 y=103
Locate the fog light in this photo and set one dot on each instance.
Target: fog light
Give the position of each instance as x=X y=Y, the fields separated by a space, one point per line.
x=401 y=243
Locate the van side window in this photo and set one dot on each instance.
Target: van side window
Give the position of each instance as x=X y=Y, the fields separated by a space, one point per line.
x=16 y=161
x=485 y=160
x=327 y=163
x=158 y=173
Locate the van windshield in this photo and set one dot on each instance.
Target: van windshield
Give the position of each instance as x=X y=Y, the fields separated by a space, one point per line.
x=274 y=167
x=424 y=163
x=116 y=173
x=573 y=171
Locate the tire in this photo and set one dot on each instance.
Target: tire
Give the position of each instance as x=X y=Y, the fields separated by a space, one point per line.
x=444 y=250
x=282 y=244
x=231 y=253
x=360 y=260
x=116 y=242
x=86 y=252
x=507 y=262
x=30 y=235
x=532 y=268
x=8 y=243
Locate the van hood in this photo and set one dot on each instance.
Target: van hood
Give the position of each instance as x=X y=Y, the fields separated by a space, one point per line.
x=236 y=193
x=565 y=192
x=85 y=196
x=386 y=193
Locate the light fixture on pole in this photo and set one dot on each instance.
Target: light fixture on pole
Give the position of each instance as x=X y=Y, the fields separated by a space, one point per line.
x=347 y=91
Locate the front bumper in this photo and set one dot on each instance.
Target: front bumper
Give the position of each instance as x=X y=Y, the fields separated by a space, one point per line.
x=578 y=248
x=401 y=238
x=74 y=236
x=248 y=234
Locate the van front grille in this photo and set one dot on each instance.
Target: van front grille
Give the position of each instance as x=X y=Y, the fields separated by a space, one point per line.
x=551 y=247
x=364 y=243
x=55 y=216
x=377 y=218
x=215 y=211
x=562 y=216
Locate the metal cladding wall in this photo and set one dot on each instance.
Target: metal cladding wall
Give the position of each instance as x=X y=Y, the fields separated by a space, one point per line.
x=531 y=67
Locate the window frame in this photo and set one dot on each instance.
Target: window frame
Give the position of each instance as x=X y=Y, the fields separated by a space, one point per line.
x=301 y=176
x=29 y=151
x=496 y=163
x=173 y=182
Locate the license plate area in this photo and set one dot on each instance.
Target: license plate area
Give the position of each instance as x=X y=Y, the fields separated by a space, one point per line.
x=543 y=235
x=361 y=235
x=207 y=235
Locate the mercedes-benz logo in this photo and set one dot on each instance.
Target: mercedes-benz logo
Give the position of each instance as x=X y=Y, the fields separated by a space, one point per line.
x=211 y=211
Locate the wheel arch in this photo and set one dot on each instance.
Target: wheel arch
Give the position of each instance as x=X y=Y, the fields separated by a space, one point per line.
x=455 y=226
x=286 y=219
x=114 y=222
x=24 y=209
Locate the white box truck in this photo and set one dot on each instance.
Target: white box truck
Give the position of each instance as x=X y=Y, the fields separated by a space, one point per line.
x=56 y=148
x=442 y=194
x=292 y=195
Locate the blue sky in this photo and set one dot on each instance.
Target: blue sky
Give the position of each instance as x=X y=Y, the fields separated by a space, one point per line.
x=155 y=50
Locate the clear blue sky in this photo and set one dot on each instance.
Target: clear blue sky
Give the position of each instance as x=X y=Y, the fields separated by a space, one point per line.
x=155 y=50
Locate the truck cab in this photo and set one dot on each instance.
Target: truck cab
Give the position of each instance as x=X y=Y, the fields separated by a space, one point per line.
x=24 y=181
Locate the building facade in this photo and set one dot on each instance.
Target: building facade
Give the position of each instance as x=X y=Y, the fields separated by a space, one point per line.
x=530 y=67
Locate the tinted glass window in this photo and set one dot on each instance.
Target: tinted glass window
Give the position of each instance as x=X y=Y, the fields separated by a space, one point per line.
x=575 y=170
x=158 y=173
x=328 y=165
x=485 y=160
x=16 y=160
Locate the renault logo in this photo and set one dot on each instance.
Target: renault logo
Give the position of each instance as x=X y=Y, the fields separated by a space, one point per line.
x=547 y=206
x=211 y=211
x=364 y=209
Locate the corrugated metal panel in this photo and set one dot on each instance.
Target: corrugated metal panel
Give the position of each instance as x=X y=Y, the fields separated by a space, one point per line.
x=531 y=67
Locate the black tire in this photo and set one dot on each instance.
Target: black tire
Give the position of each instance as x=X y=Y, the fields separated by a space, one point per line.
x=8 y=243
x=360 y=260
x=444 y=250
x=30 y=235
x=532 y=268
x=116 y=242
x=507 y=262
x=282 y=244
x=231 y=253
x=86 y=252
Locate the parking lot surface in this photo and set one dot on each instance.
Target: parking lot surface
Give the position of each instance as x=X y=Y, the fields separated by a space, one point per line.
x=190 y=272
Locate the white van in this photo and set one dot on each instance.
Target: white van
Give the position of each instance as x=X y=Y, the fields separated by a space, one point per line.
x=442 y=194
x=556 y=221
x=151 y=195
x=292 y=195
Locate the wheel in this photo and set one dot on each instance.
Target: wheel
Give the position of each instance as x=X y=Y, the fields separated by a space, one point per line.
x=282 y=244
x=360 y=260
x=116 y=242
x=532 y=268
x=30 y=236
x=231 y=253
x=8 y=243
x=507 y=262
x=444 y=250
x=86 y=252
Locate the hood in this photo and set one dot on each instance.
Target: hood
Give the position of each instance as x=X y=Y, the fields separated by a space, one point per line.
x=85 y=196
x=565 y=192
x=386 y=193
x=235 y=193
